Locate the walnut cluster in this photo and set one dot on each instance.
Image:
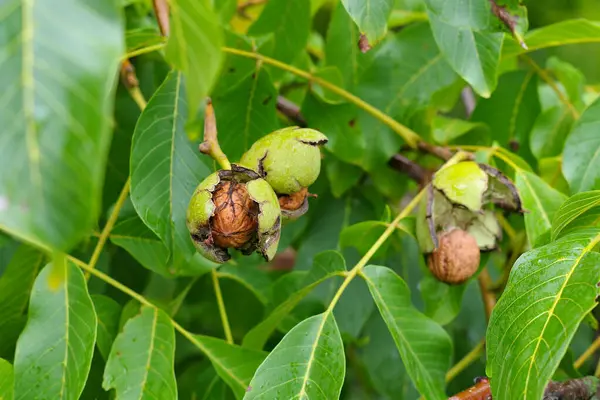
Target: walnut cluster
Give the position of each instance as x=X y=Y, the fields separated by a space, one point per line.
x=235 y=219
x=457 y=257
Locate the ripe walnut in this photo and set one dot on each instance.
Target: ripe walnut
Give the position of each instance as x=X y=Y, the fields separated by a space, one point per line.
x=457 y=257
x=235 y=219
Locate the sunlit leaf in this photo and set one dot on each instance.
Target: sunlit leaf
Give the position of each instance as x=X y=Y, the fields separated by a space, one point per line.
x=165 y=170
x=540 y=201
x=6 y=380
x=325 y=265
x=234 y=364
x=581 y=157
x=55 y=350
x=549 y=291
x=425 y=348
x=140 y=365
x=572 y=31
x=371 y=16
x=194 y=47
x=56 y=81
x=139 y=38
x=108 y=312
x=308 y=362
x=463 y=32
x=573 y=208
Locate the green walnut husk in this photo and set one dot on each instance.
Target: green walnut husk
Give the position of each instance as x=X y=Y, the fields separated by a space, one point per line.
x=234 y=209
x=460 y=197
x=289 y=159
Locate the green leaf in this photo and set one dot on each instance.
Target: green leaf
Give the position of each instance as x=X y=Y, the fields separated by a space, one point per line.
x=246 y=112
x=200 y=381
x=410 y=66
x=341 y=47
x=131 y=234
x=16 y=282
x=442 y=301
x=7 y=377
x=257 y=281
x=332 y=75
x=165 y=170
x=550 y=170
x=234 y=364
x=446 y=130
x=549 y=291
x=383 y=363
x=56 y=84
x=309 y=362
x=425 y=348
x=581 y=157
x=342 y=176
x=540 y=200
x=572 y=31
x=511 y=110
x=550 y=131
x=140 y=365
x=325 y=265
x=54 y=352
x=462 y=32
x=288 y=25
x=139 y=38
x=572 y=208
x=108 y=312
x=371 y=16
x=194 y=48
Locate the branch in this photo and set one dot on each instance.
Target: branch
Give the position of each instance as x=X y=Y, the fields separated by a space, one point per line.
x=488 y=297
x=410 y=168
x=161 y=9
x=586 y=388
x=291 y=111
x=468 y=99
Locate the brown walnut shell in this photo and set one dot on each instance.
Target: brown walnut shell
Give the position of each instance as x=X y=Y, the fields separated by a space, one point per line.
x=235 y=219
x=456 y=258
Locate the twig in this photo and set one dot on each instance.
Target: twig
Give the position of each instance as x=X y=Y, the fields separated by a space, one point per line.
x=291 y=110
x=442 y=153
x=131 y=83
x=221 y=304
x=467 y=360
x=509 y=20
x=586 y=388
x=481 y=390
x=409 y=136
x=410 y=168
x=161 y=9
x=587 y=353
x=210 y=146
x=488 y=297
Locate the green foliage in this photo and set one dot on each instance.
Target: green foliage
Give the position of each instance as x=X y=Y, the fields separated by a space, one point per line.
x=103 y=293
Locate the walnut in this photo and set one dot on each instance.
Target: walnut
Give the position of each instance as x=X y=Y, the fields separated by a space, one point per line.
x=235 y=219
x=457 y=257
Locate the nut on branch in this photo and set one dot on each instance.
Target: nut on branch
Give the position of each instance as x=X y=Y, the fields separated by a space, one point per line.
x=456 y=258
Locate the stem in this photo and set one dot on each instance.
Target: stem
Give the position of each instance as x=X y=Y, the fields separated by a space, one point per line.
x=144 y=50
x=489 y=300
x=409 y=136
x=467 y=360
x=108 y=227
x=222 y=311
x=210 y=146
x=161 y=10
x=544 y=75
x=587 y=353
